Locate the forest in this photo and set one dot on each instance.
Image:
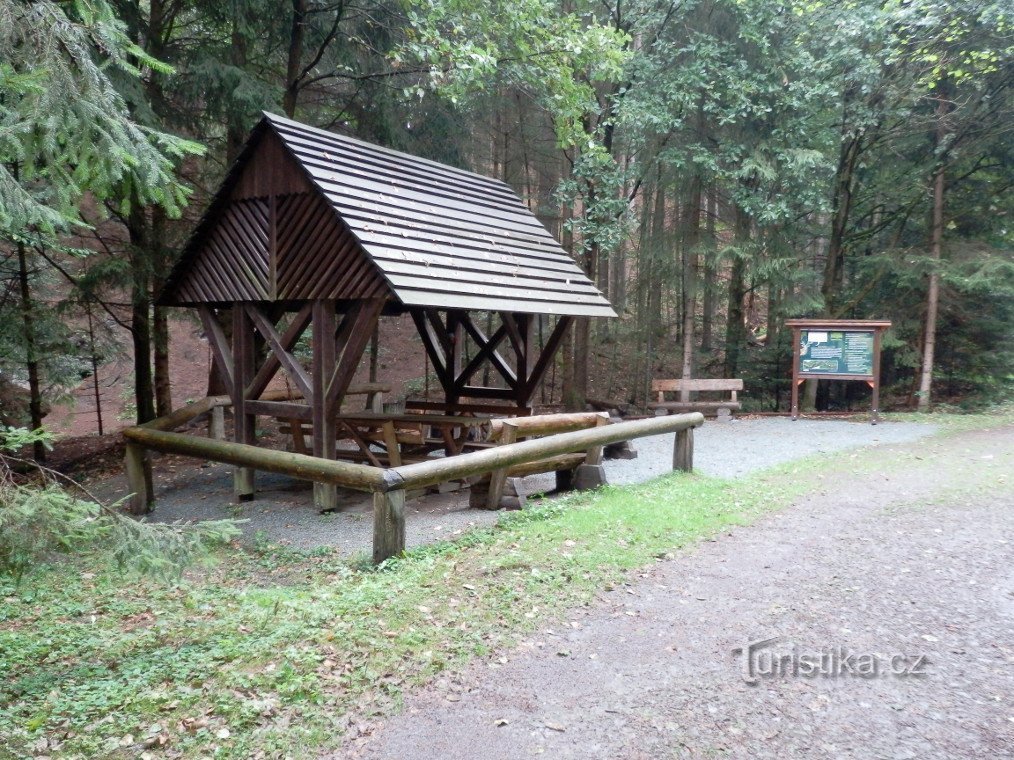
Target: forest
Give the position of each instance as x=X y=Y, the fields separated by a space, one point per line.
x=716 y=166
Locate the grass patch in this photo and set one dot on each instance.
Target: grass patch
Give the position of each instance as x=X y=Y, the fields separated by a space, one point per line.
x=272 y=650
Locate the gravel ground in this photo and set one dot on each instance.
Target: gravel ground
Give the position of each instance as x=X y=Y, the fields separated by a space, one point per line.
x=902 y=561
x=284 y=511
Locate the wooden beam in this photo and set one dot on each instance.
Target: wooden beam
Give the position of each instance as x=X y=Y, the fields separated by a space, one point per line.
x=280 y=351
x=546 y=357
x=280 y=409
x=272 y=364
x=325 y=495
x=219 y=344
x=430 y=339
x=487 y=351
x=361 y=321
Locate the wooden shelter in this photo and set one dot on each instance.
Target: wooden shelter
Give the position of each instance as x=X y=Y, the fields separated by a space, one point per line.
x=315 y=230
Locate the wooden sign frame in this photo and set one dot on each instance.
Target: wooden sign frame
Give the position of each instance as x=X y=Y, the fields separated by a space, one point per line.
x=874 y=326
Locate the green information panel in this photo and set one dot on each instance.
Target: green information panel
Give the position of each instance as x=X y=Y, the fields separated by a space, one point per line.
x=836 y=352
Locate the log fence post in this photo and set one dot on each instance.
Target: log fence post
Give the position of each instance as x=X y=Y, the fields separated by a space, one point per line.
x=388 y=524
x=683 y=451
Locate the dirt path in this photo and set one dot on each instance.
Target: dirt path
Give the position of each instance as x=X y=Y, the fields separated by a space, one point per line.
x=915 y=559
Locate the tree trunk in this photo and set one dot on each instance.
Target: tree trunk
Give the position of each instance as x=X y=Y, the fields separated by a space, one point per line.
x=163 y=381
x=936 y=245
x=31 y=350
x=708 y=285
x=735 y=330
x=691 y=219
x=834 y=266
x=295 y=57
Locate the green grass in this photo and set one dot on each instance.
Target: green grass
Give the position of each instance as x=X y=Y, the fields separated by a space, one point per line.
x=272 y=650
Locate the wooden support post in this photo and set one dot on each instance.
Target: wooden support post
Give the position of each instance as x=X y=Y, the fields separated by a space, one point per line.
x=683 y=451
x=216 y=423
x=794 y=407
x=498 y=478
x=244 y=426
x=325 y=495
x=388 y=524
x=875 y=384
x=142 y=492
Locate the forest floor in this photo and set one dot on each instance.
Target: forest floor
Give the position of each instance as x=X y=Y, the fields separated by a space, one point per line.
x=596 y=624
x=909 y=564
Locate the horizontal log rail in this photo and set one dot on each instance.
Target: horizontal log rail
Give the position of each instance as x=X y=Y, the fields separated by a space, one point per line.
x=420 y=474
x=390 y=485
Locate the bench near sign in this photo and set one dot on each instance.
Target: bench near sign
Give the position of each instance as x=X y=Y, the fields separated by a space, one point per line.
x=836 y=349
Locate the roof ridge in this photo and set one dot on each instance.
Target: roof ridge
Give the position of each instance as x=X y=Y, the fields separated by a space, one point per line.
x=276 y=118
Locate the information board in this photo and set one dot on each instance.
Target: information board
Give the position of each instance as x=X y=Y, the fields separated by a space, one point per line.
x=836 y=352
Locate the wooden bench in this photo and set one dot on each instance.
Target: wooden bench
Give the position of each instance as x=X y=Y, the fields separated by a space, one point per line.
x=502 y=488
x=721 y=408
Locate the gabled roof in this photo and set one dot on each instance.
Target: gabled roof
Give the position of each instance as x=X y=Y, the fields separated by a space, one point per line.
x=437 y=236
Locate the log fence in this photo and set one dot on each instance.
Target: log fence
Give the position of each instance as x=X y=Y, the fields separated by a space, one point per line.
x=388 y=485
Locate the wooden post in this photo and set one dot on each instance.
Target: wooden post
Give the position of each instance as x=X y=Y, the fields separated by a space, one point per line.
x=142 y=492
x=683 y=451
x=216 y=423
x=795 y=373
x=325 y=495
x=498 y=478
x=875 y=418
x=388 y=524
x=244 y=424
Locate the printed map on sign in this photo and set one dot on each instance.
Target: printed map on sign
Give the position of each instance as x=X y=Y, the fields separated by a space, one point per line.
x=836 y=352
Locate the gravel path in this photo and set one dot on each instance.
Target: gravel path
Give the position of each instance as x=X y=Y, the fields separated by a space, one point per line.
x=284 y=512
x=905 y=560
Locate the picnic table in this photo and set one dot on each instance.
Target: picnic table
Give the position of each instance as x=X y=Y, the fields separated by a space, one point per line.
x=409 y=437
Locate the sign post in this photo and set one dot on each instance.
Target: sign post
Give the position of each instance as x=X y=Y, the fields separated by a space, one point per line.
x=836 y=349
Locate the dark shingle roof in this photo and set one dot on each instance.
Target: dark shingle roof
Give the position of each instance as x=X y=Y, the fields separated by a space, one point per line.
x=440 y=236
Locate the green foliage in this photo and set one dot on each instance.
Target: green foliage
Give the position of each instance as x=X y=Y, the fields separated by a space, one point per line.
x=39 y=521
x=64 y=128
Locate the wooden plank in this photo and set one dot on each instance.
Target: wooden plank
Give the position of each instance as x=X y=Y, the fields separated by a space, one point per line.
x=711 y=384
x=280 y=351
x=280 y=409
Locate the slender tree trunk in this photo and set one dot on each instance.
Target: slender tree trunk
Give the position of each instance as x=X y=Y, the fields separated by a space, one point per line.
x=691 y=219
x=295 y=56
x=735 y=329
x=936 y=245
x=834 y=266
x=163 y=381
x=708 y=284
x=31 y=349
